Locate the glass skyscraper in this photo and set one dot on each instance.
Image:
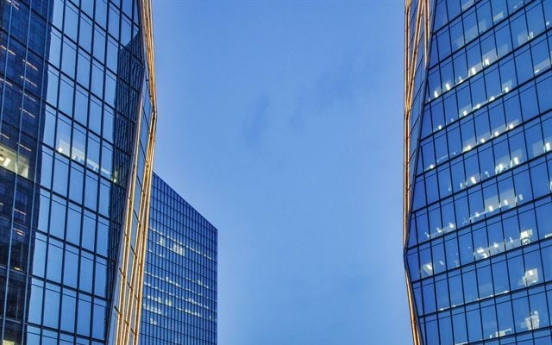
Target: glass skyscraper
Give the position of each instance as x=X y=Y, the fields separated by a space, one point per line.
x=77 y=124
x=478 y=171
x=180 y=284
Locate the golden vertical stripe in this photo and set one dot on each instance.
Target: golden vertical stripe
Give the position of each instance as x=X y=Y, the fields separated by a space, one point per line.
x=129 y=307
x=421 y=20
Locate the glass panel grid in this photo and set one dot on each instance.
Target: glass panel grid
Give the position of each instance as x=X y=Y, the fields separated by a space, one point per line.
x=478 y=228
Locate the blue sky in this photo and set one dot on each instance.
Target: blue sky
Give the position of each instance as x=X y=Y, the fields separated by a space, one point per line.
x=281 y=122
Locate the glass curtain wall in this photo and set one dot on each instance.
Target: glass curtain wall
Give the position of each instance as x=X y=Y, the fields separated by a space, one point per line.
x=478 y=172
x=75 y=110
x=180 y=285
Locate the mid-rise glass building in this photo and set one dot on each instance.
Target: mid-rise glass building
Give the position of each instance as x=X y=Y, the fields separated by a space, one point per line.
x=77 y=124
x=180 y=284
x=478 y=171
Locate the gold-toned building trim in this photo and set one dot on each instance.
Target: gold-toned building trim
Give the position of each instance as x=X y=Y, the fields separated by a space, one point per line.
x=148 y=179
x=150 y=53
x=421 y=20
x=128 y=307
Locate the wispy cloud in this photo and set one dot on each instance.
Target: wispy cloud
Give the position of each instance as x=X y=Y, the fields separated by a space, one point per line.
x=256 y=121
x=336 y=88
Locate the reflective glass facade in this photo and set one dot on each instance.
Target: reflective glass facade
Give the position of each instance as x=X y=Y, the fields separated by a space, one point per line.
x=77 y=119
x=180 y=284
x=478 y=171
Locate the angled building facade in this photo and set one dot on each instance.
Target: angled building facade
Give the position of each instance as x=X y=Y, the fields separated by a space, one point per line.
x=77 y=124
x=180 y=284
x=478 y=171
